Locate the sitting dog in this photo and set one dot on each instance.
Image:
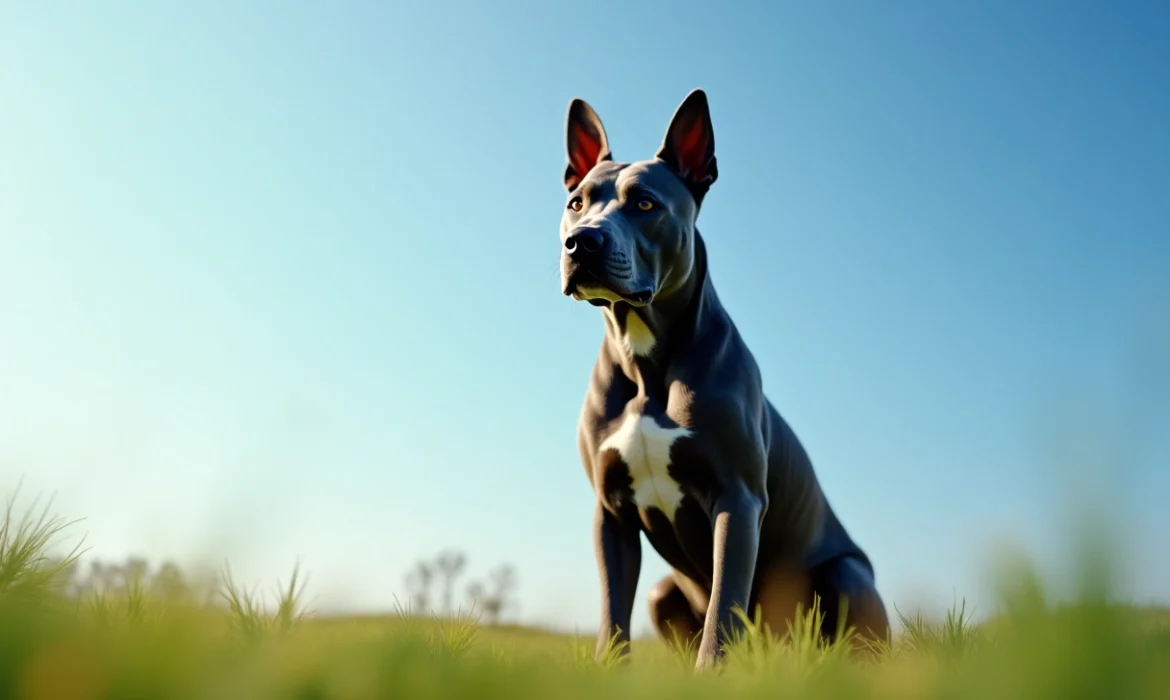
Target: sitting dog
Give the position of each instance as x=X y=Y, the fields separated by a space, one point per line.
x=676 y=434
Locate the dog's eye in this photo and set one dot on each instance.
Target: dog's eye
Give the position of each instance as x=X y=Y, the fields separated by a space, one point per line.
x=646 y=204
x=575 y=204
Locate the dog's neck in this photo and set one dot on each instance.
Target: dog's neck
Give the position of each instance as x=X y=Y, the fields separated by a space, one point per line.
x=642 y=340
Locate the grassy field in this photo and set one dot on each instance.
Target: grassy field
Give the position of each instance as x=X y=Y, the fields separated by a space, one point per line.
x=134 y=644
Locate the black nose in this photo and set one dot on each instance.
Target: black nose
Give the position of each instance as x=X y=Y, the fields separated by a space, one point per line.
x=584 y=241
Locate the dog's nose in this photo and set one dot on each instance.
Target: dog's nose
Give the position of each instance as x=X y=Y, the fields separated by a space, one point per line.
x=584 y=241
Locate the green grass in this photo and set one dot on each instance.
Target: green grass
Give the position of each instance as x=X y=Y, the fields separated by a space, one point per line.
x=244 y=643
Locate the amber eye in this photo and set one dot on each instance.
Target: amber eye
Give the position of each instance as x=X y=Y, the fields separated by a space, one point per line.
x=646 y=204
x=575 y=204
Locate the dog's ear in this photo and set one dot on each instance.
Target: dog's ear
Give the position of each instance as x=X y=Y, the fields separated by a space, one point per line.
x=585 y=141
x=689 y=146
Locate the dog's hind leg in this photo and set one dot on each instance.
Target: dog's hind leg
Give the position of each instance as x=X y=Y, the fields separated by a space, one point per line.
x=849 y=578
x=672 y=613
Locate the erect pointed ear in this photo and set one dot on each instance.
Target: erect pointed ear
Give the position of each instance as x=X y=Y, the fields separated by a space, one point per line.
x=689 y=146
x=585 y=141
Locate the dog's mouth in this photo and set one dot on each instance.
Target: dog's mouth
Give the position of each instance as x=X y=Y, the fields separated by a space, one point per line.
x=583 y=285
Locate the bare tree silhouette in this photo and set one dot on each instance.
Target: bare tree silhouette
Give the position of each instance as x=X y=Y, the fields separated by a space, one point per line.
x=169 y=581
x=490 y=596
x=503 y=580
x=493 y=599
x=450 y=565
x=418 y=583
x=478 y=598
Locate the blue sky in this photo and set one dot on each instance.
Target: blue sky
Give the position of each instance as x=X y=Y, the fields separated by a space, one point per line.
x=279 y=281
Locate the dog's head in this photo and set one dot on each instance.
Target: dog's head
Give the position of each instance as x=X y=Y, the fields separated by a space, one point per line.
x=628 y=229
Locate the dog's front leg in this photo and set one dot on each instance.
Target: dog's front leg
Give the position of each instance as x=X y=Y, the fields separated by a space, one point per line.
x=619 y=559
x=737 y=536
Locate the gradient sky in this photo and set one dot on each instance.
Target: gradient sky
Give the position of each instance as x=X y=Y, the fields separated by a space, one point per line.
x=279 y=280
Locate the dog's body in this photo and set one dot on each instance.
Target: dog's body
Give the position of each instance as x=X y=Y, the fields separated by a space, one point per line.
x=676 y=434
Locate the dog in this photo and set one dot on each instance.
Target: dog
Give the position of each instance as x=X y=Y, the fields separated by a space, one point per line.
x=676 y=435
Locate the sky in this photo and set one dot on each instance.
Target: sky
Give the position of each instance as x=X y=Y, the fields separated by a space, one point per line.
x=278 y=281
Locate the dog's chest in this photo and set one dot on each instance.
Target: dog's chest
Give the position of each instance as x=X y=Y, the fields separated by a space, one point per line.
x=644 y=447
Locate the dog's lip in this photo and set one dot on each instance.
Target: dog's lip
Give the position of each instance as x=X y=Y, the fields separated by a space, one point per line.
x=572 y=288
x=642 y=298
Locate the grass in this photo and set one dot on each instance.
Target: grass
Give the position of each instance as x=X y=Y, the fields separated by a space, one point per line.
x=25 y=570
x=135 y=644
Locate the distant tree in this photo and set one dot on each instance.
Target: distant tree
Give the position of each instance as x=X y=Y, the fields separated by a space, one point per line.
x=475 y=591
x=503 y=580
x=106 y=577
x=98 y=575
x=135 y=571
x=487 y=605
x=492 y=599
x=66 y=577
x=112 y=578
x=419 y=582
x=450 y=566
x=170 y=583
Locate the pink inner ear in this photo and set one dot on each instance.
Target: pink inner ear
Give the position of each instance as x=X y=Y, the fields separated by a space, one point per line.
x=692 y=149
x=586 y=152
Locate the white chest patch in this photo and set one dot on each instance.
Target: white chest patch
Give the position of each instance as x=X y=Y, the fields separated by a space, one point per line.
x=645 y=448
